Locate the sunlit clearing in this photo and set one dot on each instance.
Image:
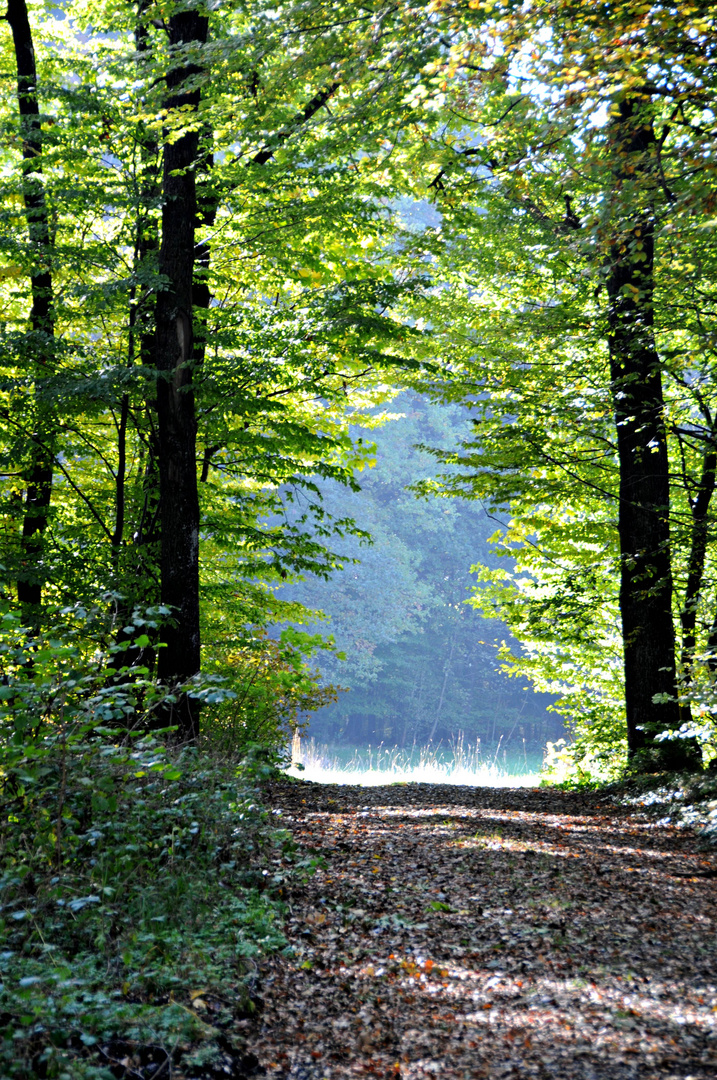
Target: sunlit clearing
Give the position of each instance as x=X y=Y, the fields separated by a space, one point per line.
x=425 y=765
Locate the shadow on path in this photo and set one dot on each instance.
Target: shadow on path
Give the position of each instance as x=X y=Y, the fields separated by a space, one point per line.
x=463 y=932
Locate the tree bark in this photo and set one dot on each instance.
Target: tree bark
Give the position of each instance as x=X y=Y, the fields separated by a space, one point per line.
x=699 y=507
x=179 y=660
x=40 y=341
x=644 y=503
x=138 y=585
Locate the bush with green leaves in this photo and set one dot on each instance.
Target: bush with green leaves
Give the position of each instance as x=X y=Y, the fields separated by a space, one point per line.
x=133 y=873
x=273 y=689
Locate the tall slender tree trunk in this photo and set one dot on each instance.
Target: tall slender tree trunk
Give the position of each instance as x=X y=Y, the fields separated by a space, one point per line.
x=447 y=670
x=138 y=584
x=699 y=507
x=179 y=503
x=40 y=341
x=140 y=347
x=644 y=508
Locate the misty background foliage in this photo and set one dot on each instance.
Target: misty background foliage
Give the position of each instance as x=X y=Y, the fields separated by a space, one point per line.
x=420 y=665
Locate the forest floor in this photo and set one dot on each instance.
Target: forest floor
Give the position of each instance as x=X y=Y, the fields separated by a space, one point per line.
x=473 y=932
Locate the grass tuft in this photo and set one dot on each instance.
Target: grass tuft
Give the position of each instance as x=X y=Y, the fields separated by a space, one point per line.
x=393 y=765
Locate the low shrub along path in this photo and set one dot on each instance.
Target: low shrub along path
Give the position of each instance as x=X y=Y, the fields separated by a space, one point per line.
x=470 y=932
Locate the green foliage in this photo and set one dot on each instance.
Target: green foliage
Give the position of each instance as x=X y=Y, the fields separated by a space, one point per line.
x=312 y=142
x=299 y=322
x=580 y=765
x=274 y=690
x=68 y=682
x=131 y=874
x=130 y=878
x=419 y=663
x=530 y=206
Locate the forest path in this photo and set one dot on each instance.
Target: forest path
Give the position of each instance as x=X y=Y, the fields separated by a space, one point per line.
x=471 y=932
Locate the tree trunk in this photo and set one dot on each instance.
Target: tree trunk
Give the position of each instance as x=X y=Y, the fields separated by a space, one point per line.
x=138 y=585
x=40 y=341
x=699 y=507
x=447 y=670
x=179 y=660
x=644 y=507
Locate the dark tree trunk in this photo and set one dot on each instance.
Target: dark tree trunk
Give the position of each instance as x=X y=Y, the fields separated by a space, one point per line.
x=699 y=507
x=207 y=205
x=180 y=347
x=138 y=584
x=179 y=504
x=40 y=341
x=644 y=507
x=141 y=307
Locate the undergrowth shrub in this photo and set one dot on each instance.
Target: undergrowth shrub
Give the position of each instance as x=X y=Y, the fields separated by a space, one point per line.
x=135 y=876
x=274 y=690
x=132 y=877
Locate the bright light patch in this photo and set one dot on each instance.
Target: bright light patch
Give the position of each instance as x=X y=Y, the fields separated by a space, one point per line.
x=427 y=765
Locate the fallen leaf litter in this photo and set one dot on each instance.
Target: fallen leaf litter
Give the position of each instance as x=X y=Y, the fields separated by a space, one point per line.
x=470 y=932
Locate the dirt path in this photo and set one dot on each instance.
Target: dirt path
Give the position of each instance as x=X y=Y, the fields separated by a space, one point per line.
x=461 y=932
